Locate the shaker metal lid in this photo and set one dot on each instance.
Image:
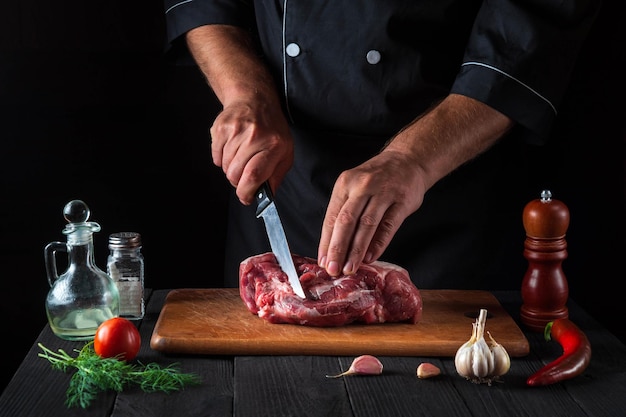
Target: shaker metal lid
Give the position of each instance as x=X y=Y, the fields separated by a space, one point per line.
x=124 y=240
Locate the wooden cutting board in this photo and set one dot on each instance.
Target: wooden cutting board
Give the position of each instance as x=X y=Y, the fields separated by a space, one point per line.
x=216 y=322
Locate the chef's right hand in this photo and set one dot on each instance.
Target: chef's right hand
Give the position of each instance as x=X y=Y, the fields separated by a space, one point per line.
x=252 y=143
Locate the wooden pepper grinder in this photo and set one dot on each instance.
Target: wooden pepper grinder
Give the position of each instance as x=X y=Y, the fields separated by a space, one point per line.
x=544 y=287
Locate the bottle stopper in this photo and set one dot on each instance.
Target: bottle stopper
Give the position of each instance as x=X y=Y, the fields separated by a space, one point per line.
x=78 y=229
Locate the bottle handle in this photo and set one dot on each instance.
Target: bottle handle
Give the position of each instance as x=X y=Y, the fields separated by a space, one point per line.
x=49 y=253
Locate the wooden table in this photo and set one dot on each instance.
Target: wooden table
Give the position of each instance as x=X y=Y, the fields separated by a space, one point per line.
x=274 y=386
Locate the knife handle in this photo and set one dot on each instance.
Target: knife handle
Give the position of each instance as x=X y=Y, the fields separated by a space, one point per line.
x=264 y=198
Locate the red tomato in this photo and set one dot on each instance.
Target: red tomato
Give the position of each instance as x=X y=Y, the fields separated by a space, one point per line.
x=117 y=337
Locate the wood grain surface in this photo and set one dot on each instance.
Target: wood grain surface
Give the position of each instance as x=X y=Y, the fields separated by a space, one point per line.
x=216 y=322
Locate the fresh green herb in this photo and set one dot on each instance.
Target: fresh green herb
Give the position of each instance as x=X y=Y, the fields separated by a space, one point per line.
x=95 y=374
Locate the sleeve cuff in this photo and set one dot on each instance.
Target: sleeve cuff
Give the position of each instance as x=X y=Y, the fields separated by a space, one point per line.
x=183 y=15
x=508 y=95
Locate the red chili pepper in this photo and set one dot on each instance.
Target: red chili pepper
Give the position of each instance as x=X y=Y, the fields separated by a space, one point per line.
x=574 y=360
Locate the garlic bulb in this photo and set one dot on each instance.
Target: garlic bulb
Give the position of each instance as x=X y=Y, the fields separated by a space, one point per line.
x=478 y=361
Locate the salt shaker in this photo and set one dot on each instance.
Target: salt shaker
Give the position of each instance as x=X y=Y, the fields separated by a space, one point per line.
x=125 y=265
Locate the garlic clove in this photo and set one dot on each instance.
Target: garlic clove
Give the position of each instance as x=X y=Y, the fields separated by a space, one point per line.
x=462 y=359
x=362 y=365
x=502 y=360
x=427 y=370
x=481 y=359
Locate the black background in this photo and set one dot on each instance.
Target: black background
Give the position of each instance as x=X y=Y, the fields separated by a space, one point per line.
x=91 y=110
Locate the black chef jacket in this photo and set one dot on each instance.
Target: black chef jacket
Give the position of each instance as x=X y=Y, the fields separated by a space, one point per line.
x=353 y=73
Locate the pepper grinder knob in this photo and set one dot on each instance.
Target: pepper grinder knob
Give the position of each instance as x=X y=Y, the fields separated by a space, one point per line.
x=545 y=289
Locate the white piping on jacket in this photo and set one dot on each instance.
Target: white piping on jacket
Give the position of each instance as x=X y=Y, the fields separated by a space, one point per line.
x=177 y=4
x=514 y=79
x=285 y=60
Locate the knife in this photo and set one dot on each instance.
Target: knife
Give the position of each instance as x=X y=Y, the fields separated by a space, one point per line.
x=276 y=234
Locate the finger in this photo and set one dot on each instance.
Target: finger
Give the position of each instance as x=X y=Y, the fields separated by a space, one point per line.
x=216 y=144
x=228 y=132
x=226 y=138
x=346 y=223
x=357 y=246
x=255 y=171
x=229 y=149
x=337 y=201
x=374 y=230
x=385 y=231
x=235 y=155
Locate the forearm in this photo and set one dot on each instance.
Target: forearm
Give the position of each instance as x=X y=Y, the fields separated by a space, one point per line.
x=452 y=133
x=230 y=64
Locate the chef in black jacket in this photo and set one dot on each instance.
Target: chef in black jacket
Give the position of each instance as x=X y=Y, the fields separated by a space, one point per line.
x=389 y=130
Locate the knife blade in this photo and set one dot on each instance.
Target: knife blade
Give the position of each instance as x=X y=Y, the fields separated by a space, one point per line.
x=266 y=208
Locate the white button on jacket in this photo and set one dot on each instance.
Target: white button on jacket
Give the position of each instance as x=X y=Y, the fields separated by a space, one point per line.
x=373 y=57
x=293 y=50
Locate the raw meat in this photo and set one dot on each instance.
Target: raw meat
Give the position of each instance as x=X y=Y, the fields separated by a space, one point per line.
x=379 y=292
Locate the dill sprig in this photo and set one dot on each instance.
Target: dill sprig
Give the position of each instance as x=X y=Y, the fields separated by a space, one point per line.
x=95 y=374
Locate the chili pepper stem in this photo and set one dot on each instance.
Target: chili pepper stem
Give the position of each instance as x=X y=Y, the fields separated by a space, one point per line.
x=573 y=361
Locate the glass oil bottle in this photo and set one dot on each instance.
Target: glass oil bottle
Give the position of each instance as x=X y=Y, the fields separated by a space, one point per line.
x=83 y=296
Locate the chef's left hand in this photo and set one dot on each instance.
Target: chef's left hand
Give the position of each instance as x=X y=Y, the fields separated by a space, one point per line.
x=369 y=203
x=367 y=206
